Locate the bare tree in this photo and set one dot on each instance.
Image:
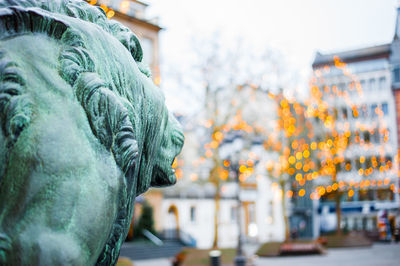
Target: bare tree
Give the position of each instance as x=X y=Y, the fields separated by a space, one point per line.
x=235 y=82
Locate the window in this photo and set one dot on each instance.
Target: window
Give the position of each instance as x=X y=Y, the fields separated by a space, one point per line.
x=372 y=84
x=388 y=160
x=364 y=111
x=192 y=214
x=373 y=110
x=376 y=136
x=357 y=137
x=362 y=83
x=348 y=165
x=341 y=87
x=382 y=83
x=396 y=74
x=338 y=167
x=148 y=49
x=385 y=109
x=333 y=86
x=368 y=163
x=358 y=164
x=355 y=111
x=335 y=113
x=344 y=112
x=386 y=135
x=233 y=213
x=366 y=137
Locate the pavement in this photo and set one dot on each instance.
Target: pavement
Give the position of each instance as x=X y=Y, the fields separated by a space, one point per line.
x=377 y=255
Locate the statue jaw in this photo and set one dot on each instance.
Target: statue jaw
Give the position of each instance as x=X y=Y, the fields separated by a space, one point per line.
x=163 y=173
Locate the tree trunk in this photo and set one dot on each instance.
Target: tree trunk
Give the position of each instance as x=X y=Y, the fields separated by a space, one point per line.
x=338 y=212
x=216 y=214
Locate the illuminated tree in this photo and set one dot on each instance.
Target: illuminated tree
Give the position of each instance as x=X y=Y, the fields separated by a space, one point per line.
x=289 y=141
x=233 y=81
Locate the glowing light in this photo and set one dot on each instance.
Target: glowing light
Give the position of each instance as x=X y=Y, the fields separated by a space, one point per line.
x=224 y=174
x=250 y=163
x=110 y=13
x=209 y=153
x=179 y=173
x=291 y=171
x=218 y=136
x=194 y=177
x=242 y=168
x=124 y=7
x=299 y=177
x=175 y=163
x=313 y=145
x=104 y=7
x=350 y=193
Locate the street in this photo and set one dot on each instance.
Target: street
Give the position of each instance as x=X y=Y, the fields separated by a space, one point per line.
x=378 y=255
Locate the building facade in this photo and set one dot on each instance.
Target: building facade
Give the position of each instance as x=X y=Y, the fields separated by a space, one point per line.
x=190 y=211
x=357 y=85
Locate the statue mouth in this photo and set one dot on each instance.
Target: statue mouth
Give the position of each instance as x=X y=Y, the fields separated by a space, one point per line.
x=163 y=178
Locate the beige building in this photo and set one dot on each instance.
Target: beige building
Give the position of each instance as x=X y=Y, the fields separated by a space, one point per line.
x=132 y=13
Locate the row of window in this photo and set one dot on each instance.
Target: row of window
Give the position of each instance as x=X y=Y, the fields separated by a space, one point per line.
x=365 y=163
x=372 y=84
x=193 y=213
x=384 y=194
x=366 y=137
x=365 y=111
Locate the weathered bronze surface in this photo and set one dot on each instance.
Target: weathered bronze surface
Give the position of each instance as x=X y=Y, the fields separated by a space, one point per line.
x=83 y=132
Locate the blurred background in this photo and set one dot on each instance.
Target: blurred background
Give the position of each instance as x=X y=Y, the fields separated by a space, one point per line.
x=290 y=111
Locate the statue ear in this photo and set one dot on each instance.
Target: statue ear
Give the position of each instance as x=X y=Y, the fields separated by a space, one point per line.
x=16 y=20
x=132 y=43
x=128 y=39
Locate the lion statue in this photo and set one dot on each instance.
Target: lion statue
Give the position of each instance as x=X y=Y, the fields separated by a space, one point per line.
x=83 y=131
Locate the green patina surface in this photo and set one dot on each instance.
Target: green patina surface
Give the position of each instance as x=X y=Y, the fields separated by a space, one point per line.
x=83 y=132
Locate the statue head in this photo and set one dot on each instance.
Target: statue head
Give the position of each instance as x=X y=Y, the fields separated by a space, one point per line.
x=81 y=124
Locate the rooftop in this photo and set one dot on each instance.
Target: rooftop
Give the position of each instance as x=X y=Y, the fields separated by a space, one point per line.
x=367 y=53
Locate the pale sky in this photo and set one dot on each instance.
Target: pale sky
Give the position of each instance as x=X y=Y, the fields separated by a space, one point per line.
x=296 y=28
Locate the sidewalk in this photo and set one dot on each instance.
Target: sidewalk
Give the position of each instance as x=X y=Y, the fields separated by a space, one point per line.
x=156 y=262
x=378 y=255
